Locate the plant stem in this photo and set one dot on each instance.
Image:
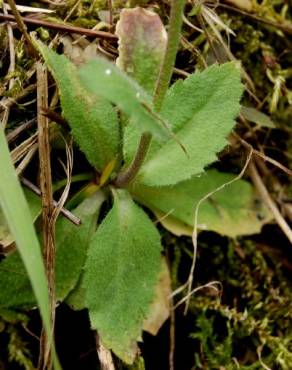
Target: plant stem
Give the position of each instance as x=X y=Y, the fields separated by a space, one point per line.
x=127 y=176
x=175 y=24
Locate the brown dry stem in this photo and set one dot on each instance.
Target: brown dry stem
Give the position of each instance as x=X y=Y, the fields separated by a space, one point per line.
x=104 y=355
x=262 y=190
x=45 y=359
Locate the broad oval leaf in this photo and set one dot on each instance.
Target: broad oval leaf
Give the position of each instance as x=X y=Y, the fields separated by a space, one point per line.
x=92 y=119
x=71 y=241
x=201 y=110
x=121 y=273
x=232 y=211
x=142 y=43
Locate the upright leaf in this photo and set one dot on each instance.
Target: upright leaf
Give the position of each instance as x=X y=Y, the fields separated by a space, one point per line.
x=232 y=211
x=34 y=204
x=16 y=211
x=121 y=272
x=92 y=119
x=201 y=110
x=142 y=43
x=103 y=78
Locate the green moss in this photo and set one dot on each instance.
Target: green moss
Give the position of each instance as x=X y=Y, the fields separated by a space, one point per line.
x=252 y=323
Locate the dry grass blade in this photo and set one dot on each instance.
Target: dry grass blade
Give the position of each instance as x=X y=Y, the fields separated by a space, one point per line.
x=263 y=156
x=189 y=282
x=212 y=285
x=260 y=186
x=22 y=149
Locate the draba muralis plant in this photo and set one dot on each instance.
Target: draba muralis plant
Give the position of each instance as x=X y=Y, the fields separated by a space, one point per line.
x=153 y=154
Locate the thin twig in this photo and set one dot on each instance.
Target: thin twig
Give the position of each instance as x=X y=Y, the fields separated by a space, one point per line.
x=67 y=214
x=22 y=27
x=26 y=160
x=264 y=156
x=62 y=27
x=110 y=10
x=261 y=188
x=22 y=149
x=45 y=360
x=19 y=129
x=9 y=102
x=212 y=285
x=11 y=48
x=11 y=69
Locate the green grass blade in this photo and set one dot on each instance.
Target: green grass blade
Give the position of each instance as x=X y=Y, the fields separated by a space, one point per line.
x=16 y=211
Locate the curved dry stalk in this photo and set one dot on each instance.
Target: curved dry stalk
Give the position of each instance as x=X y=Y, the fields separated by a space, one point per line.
x=264 y=156
x=211 y=285
x=260 y=186
x=189 y=282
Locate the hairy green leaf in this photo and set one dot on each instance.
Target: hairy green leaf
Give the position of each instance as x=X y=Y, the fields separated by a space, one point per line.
x=201 y=110
x=92 y=119
x=120 y=274
x=103 y=78
x=76 y=298
x=142 y=43
x=232 y=211
x=71 y=241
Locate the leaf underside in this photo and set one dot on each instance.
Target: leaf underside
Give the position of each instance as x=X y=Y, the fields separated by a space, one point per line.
x=120 y=275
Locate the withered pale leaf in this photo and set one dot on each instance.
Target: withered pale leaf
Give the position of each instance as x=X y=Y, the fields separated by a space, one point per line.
x=142 y=42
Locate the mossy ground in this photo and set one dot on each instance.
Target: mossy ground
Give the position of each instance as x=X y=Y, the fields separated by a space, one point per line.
x=249 y=325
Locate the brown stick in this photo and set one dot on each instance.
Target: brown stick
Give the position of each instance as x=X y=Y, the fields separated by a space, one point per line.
x=67 y=214
x=104 y=355
x=22 y=27
x=62 y=27
x=45 y=360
